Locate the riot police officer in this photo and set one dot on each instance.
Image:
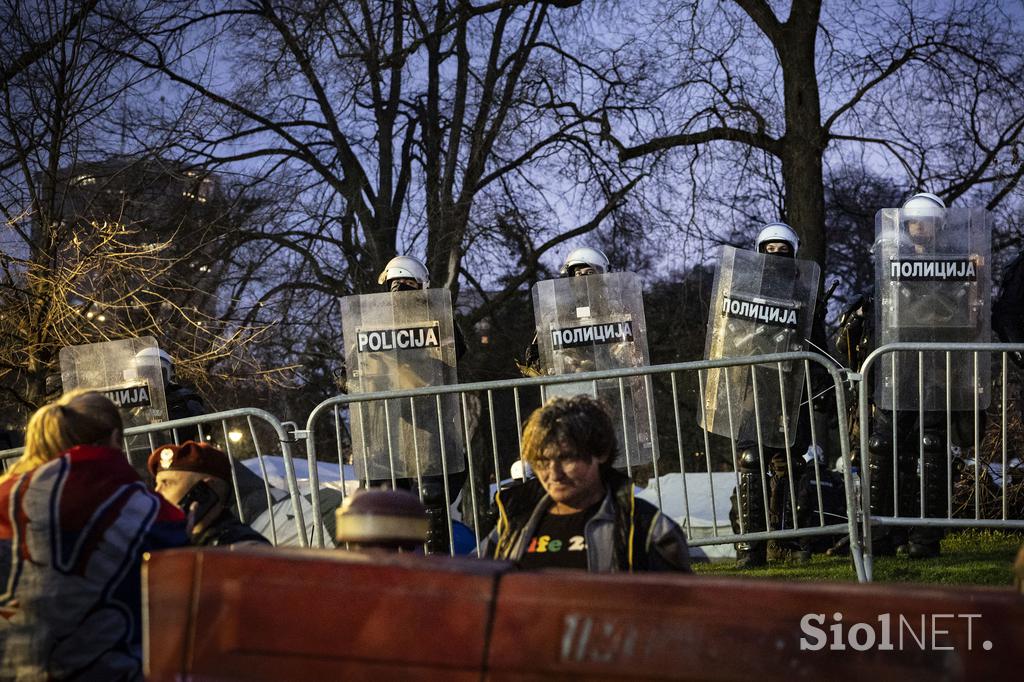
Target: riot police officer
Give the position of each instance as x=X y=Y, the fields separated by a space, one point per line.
x=407 y=273
x=585 y=260
x=182 y=401
x=130 y=373
x=778 y=468
x=909 y=414
x=579 y=262
x=402 y=273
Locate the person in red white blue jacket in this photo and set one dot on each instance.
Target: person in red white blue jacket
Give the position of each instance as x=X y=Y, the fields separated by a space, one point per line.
x=75 y=521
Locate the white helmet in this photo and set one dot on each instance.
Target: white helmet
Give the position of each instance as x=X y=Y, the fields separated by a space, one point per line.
x=585 y=255
x=777 y=232
x=924 y=208
x=401 y=267
x=924 y=205
x=151 y=353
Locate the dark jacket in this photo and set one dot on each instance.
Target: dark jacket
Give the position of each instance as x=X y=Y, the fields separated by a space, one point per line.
x=1008 y=308
x=532 y=359
x=227 y=530
x=626 y=534
x=183 y=402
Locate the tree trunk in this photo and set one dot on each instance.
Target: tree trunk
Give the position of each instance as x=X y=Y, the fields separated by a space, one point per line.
x=803 y=145
x=805 y=199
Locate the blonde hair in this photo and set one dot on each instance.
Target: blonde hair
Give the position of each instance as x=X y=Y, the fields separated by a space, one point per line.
x=80 y=417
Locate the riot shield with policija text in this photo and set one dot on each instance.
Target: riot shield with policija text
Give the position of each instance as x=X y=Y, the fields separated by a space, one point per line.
x=122 y=371
x=396 y=341
x=933 y=285
x=760 y=304
x=593 y=323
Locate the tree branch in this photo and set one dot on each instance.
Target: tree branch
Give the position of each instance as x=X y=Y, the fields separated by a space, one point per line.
x=760 y=140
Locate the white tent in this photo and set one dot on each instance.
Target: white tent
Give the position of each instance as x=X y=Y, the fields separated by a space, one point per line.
x=280 y=520
x=699 y=504
x=329 y=474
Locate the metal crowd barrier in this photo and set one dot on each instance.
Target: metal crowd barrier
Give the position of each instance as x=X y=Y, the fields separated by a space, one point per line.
x=973 y=354
x=7 y=458
x=486 y=394
x=219 y=427
x=859 y=521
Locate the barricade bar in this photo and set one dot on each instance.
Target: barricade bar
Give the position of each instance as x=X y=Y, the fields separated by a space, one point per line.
x=557 y=379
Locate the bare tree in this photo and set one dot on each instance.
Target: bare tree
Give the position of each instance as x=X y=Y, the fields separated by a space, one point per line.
x=402 y=126
x=19 y=53
x=99 y=241
x=852 y=197
x=761 y=101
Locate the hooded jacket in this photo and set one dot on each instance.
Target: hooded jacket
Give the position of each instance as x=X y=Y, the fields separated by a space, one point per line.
x=626 y=534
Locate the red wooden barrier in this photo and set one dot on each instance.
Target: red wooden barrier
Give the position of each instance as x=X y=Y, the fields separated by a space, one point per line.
x=689 y=627
x=273 y=614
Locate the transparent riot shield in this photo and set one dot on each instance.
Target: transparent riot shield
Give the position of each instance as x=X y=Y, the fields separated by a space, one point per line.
x=760 y=304
x=933 y=283
x=127 y=371
x=396 y=341
x=594 y=323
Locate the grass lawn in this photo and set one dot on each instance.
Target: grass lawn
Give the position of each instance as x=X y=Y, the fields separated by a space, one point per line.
x=969 y=557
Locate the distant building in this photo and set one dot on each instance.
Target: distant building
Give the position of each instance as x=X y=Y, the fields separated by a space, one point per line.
x=122 y=205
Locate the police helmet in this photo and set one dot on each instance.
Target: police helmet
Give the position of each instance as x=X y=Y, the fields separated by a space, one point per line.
x=152 y=353
x=924 y=208
x=585 y=255
x=404 y=267
x=777 y=232
x=924 y=205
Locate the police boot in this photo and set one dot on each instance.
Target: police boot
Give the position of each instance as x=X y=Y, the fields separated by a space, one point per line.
x=780 y=505
x=780 y=501
x=880 y=459
x=437 y=516
x=924 y=540
x=750 y=498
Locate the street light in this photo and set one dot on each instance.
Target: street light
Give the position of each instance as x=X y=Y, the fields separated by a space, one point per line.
x=235 y=436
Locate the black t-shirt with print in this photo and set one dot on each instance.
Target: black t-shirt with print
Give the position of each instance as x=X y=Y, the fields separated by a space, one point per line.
x=559 y=541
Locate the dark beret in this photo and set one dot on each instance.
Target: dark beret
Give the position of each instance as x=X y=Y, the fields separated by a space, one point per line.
x=190 y=456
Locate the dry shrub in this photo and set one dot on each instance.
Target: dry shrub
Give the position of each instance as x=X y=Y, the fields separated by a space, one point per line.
x=989 y=483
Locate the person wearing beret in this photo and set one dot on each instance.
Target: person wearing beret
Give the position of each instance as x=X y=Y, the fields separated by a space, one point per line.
x=197 y=478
